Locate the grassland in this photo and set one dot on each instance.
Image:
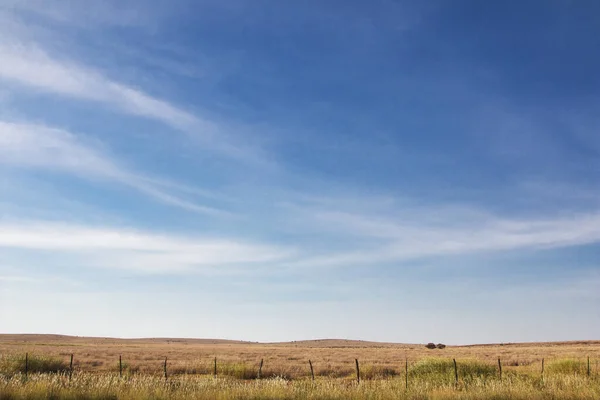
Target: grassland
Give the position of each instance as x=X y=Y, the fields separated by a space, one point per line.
x=286 y=373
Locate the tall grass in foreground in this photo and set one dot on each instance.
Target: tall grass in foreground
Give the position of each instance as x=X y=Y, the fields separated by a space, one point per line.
x=428 y=379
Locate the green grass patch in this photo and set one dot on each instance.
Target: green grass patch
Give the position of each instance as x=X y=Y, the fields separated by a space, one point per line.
x=13 y=364
x=568 y=366
x=439 y=370
x=237 y=370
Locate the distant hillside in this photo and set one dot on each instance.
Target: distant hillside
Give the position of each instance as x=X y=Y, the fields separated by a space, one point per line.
x=48 y=338
x=316 y=343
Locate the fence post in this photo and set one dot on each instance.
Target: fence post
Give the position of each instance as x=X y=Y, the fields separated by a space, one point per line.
x=542 y=370
x=406 y=373
x=26 y=364
x=120 y=367
x=588 y=366
x=71 y=367
x=165 y=369
x=500 y=368
x=357 y=371
x=260 y=368
x=455 y=371
x=215 y=369
x=312 y=372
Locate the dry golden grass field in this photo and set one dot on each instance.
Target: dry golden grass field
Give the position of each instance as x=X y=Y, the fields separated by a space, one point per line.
x=286 y=373
x=333 y=358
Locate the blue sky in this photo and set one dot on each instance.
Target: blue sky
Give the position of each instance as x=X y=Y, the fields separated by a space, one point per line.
x=269 y=170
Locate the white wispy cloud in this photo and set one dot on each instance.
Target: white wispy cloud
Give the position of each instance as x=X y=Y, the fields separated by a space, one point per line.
x=576 y=285
x=26 y=64
x=38 y=146
x=400 y=234
x=29 y=65
x=42 y=146
x=145 y=252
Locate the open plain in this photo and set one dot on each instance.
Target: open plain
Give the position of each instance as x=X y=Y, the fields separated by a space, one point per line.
x=565 y=370
x=330 y=357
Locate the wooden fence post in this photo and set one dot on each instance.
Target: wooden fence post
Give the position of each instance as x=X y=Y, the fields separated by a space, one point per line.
x=500 y=368
x=260 y=368
x=165 y=367
x=312 y=372
x=71 y=367
x=120 y=367
x=455 y=371
x=215 y=369
x=26 y=364
x=542 y=370
x=588 y=366
x=406 y=373
x=357 y=371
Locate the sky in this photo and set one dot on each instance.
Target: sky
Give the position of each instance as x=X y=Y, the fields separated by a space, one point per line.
x=274 y=170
